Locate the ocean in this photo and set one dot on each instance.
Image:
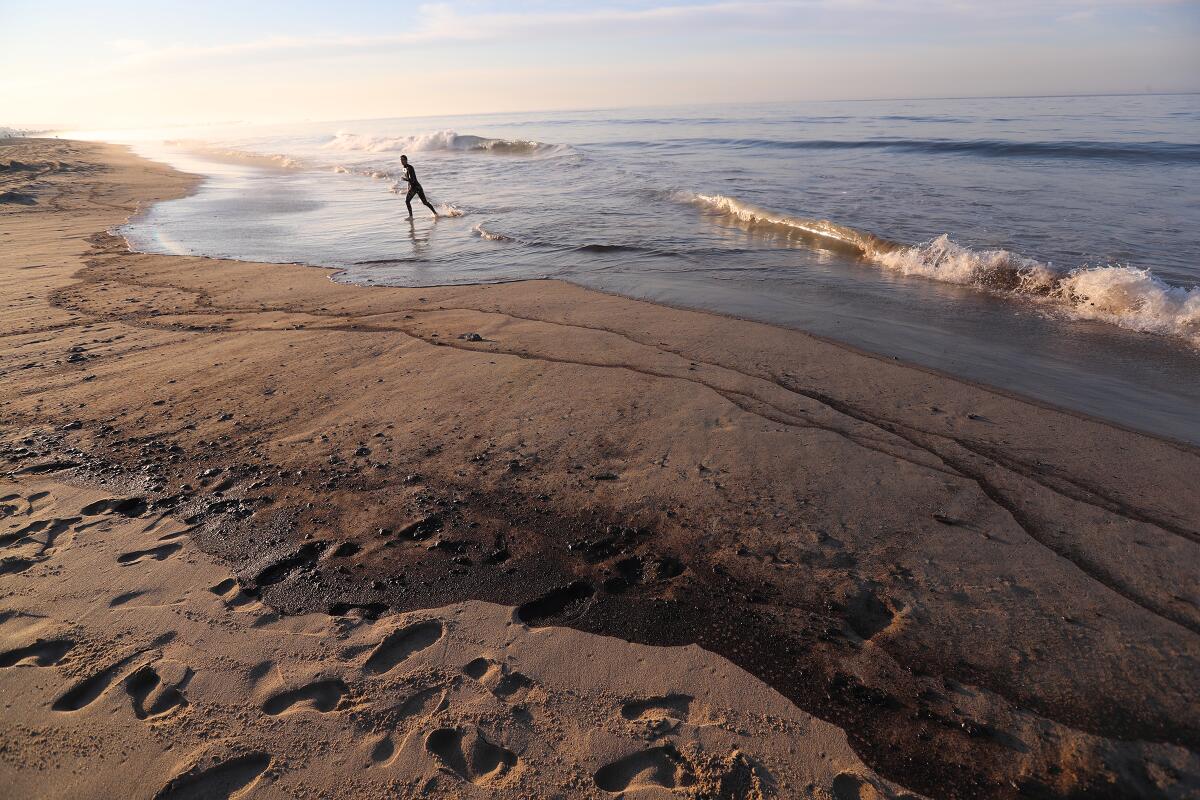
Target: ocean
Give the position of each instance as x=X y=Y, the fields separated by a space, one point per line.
x=1044 y=246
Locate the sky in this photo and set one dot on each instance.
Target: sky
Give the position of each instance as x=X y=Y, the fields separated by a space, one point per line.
x=130 y=63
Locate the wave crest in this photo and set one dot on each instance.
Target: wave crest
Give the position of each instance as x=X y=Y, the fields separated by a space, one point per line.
x=1129 y=297
x=752 y=215
x=446 y=140
x=1133 y=298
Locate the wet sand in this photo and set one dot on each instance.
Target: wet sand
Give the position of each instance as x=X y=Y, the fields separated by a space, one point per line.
x=991 y=598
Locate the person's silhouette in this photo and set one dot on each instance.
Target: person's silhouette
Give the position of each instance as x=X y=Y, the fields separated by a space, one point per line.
x=414 y=188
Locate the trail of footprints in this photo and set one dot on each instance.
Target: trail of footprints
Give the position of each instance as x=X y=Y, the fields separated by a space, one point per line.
x=28 y=538
x=156 y=687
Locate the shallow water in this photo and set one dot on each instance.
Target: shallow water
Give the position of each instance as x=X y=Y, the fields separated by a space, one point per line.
x=1068 y=272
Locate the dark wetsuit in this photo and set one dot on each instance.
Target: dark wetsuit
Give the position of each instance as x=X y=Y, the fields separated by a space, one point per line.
x=414 y=188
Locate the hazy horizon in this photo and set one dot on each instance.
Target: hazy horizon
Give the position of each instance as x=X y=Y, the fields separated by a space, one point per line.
x=136 y=64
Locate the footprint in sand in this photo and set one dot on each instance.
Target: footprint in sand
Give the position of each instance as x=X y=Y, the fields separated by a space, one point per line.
x=658 y=766
x=497 y=678
x=235 y=598
x=416 y=709
x=160 y=553
x=223 y=780
x=16 y=504
x=564 y=602
x=8 y=505
x=11 y=566
x=675 y=706
x=42 y=653
x=41 y=533
x=32 y=543
x=848 y=786
x=401 y=644
x=383 y=750
x=152 y=695
x=868 y=614
x=662 y=714
x=323 y=696
x=125 y=506
x=125 y=597
x=279 y=568
x=88 y=690
x=469 y=755
x=421 y=704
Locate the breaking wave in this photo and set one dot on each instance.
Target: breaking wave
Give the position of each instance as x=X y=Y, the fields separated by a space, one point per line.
x=866 y=243
x=1125 y=296
x=446 y=140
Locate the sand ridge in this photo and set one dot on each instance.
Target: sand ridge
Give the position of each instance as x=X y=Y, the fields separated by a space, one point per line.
x=989 y=596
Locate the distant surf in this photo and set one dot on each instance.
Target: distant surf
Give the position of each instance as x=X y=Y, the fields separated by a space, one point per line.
x=440 y=140
x=229 y=155
x=1135 y=152
x=1053 y=206
x=1121 y=295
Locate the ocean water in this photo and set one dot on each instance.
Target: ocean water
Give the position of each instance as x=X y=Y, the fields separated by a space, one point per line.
x=1046 y=246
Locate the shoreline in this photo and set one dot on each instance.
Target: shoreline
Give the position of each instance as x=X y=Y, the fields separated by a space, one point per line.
x=940 y=569
x=1191 y=448
x=1109 y=391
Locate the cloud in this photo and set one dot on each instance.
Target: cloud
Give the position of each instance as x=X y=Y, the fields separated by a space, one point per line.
x=446 y=23
x=443 y=23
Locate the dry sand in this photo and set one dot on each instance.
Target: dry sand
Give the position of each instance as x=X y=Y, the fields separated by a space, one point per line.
x=990 y=597
x=134 y=666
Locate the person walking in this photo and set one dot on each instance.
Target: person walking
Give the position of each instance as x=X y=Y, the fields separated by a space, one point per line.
x=414 y=187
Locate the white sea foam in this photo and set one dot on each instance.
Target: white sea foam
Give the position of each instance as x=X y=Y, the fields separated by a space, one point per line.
x=447 y=140
x=365 y=172
x=943 y=260
x=491 y=236
x=1125 y=296
x=1133 y=298
x=1122 y=295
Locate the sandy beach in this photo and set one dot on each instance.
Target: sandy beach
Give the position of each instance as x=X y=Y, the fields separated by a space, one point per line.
x=268 y=535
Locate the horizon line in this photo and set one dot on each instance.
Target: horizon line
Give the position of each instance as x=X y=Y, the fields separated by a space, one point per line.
x=592 y=109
